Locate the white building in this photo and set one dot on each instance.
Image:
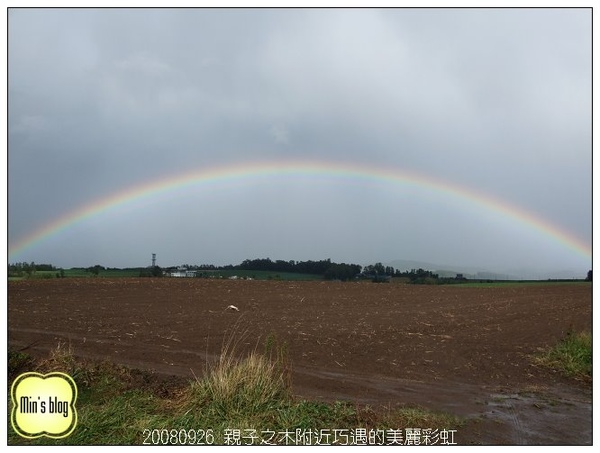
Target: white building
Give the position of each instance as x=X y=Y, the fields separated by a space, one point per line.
x=182 y=272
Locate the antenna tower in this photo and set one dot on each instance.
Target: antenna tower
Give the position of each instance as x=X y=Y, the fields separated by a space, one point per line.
x=154 y=260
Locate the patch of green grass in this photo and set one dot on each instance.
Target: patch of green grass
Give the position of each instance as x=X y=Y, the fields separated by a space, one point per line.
x=18 y=362
x=572 y=356
x=240 y=400
x=104 y=273
x=518 y=283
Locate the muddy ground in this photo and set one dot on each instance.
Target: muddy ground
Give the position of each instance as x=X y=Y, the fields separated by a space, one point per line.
x=462 y=350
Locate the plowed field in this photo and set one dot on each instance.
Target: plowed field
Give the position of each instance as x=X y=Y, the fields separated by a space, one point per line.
x=458 y=349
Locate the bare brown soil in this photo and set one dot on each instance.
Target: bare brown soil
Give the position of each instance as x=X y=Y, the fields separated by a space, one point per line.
x=462 y=350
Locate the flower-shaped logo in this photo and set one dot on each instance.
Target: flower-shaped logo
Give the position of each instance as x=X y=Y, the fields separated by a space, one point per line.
x=44 y=405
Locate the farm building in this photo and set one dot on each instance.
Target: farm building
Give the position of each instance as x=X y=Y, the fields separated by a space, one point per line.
x=182 y=272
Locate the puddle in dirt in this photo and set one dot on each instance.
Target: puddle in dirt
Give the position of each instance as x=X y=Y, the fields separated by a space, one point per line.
x=547 y=418
x=555 y=415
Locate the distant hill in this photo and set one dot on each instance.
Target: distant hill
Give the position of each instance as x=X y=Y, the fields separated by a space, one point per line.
x=449 y=270
x=443 y=270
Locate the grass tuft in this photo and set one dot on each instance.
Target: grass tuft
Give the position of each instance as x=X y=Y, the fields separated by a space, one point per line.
x=61 y=358
x=241 y=386
x=572 y=356
x=243 y=390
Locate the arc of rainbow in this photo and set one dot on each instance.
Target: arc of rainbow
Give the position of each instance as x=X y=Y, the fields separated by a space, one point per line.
x=291 y=168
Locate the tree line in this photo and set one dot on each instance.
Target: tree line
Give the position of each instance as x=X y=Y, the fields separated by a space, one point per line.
x=328 y=269
x=325 y=268
x=29 y=269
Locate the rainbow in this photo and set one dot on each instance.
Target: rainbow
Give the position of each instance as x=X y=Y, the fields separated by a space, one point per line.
x=241 y=171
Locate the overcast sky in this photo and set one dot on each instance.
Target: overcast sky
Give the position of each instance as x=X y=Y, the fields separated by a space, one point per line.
x=495 y=101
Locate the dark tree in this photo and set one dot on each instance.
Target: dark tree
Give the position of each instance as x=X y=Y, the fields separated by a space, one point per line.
x=95 y=270
x=342 y=271
x=157 y=271
x=375 y=269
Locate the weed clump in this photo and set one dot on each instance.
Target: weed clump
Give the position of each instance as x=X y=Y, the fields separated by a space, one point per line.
x=237 y=387
x=18 y=362
x=572 y=356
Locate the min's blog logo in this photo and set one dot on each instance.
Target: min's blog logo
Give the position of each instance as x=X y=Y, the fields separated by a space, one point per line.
x=44 y=405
